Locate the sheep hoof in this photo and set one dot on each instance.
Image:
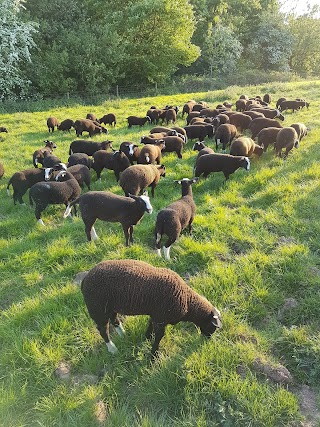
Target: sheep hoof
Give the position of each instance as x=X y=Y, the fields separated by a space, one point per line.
x=93 y=234
x=41 y=222
x=120 y=330
x=111 y=347
x=158 y=252
x=166 y=252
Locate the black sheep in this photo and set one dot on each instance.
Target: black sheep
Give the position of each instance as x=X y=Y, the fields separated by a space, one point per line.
x=220 y=163
x=176 y=217
x=116 y=161
x=135 y=287
x=80 y=159
x=89 y=148
x=138 y=121
x=66 y=125
x=108 y=119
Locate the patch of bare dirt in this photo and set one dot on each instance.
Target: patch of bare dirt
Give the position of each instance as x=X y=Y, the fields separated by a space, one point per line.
x=101 y=412
x=63 y=370
x=279 y=374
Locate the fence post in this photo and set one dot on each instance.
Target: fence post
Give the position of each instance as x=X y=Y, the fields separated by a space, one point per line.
x=117 y=91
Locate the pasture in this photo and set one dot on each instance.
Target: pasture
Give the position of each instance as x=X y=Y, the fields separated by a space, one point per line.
x=254 y=254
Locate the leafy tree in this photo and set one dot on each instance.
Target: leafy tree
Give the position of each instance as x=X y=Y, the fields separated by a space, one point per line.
x=305 y=56
x=221 y=50
x=16 y=40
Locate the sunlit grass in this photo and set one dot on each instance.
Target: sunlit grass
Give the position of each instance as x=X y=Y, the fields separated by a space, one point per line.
x=255 y=244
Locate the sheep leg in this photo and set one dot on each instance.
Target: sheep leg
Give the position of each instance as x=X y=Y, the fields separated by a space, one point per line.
x=117 y=324
x=104 y=332
x=167 y=247
x=89 y=229
x=190 y=226
x=149 y=331
x=126 y=230
x=159 y=329
x=39 y=209
x=158 y=244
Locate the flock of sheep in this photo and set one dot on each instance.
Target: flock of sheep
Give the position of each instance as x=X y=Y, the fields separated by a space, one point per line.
x=134 y=287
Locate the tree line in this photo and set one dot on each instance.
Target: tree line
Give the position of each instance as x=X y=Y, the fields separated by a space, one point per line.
x=53 y=47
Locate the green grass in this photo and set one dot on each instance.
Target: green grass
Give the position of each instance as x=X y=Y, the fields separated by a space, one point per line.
x=255 y=244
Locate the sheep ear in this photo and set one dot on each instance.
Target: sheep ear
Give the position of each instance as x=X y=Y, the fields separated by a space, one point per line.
x=195 y=179
x=145 y=193
x=177 y=181
x=132 y=196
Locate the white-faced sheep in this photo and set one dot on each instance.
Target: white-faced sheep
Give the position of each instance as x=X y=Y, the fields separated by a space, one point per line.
x=116 y=161
x=133 y=287
x=301 y=129
x=110 y=207
x=63 y=190
x=151 y=153
x=243 y=146
x=175 y=217
x=138 y=121
x=267 y=136
x=137 y=178
x=287 y=138
x=52 y=122
x=131 y=150
x=261 y=123
x=220 y=163
x=21 y=181
x=40 y=154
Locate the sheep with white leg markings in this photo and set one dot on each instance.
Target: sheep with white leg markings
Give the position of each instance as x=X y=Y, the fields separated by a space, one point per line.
x=137 y=178
x=133 y=287
x=21 y=181
x=40 y=154
x=63 y=190
x=131 y=150
x=151 y=153
x=176 y=217
x=110 y=207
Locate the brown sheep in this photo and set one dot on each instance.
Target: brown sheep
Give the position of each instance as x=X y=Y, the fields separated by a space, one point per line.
x=39 y=155
x=244 y=146
x=171 y=116
x=52 y=122
x=151 y=153
x=260 y=123
x=93 y=117
x=293 y=105
x=267 y=98
x=225 y=134
x=66 y=125
x=270 y=113
x=192 y=115
x=138 y=121
x=187 y=108
x=287 y=138
x=220 y=163
x=131 y=150
x=240 y=121
x=202 y=149
x=87 y=125
x=137 y=178
x=116 y=161
x=279 y=102
x=301 y=129
x=253 y=114
x=241 y=105
x=267 y=136
x=108 y=119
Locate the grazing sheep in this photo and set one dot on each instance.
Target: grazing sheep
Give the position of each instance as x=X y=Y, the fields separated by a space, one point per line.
x=192 y=115
x=267 y=136
x=240 y=121
x=160 y=129
x=137 y=178
x=270 y=113
x=154 y=114
x=63 y=190
x=220 y=163
x=21 y=181
x=244 y=97
x=138 y=121
x=260 y=123
x=131 y=150
x=301 y=129
x=202 y=149
x=39 y=155
x=199 y=131
x=116 y=161
x=241 y=105
x=52 y=122
x=135 y=287
x=225 y=134
x=198 y=107
x=173 y=144
x=1 y=170
x=220 y=119
x=80 y=159
x=66 y=125
x=92 y=117
x=50 y=161
x=82 y=174
x=171 y=116
x=86 y=125
x=187 y=108
x=110 y=207
x=175 y=217
x=244 y=146
x=3 y=129
x=287 y=138
x=151 y=153
x=279 y=102
x=209 y=112
x=108 y=119
x=253 y=114
x=293 y=105
x=89 y=148
x=267 y=98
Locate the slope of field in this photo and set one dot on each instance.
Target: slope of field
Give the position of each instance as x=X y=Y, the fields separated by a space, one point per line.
x=254 y=254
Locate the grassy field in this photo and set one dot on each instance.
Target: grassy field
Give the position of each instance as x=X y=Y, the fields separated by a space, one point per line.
x=254 y=254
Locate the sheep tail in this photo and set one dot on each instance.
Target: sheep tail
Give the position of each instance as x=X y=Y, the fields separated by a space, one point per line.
x=69 y=207
x=9 y=183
